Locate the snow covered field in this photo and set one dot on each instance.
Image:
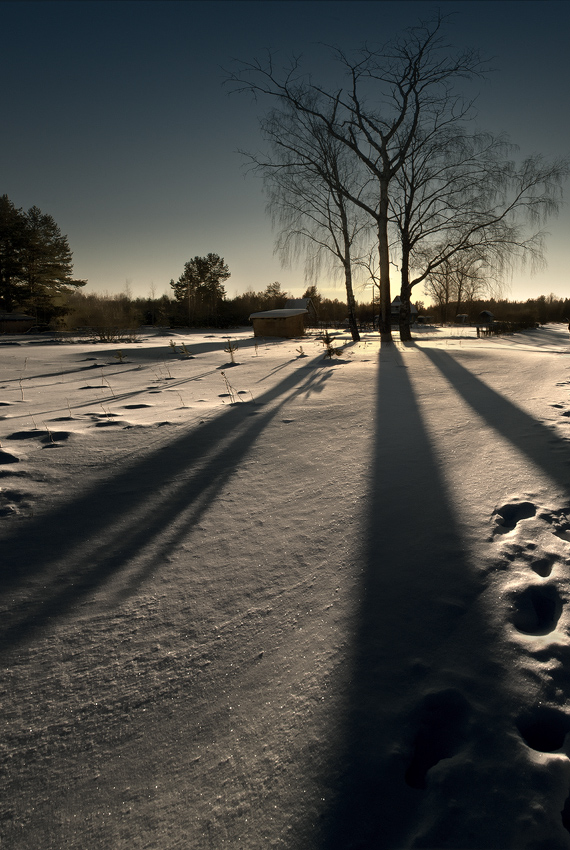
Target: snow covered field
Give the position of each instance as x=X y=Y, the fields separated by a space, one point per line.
x=290 y=603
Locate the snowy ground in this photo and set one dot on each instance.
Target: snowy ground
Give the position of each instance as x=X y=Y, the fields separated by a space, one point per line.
x=313 y=604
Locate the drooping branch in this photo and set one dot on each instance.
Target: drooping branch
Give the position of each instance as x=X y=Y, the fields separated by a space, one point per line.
x=391 y=93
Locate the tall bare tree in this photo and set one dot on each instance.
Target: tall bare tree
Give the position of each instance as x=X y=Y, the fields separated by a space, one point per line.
x=463 y=202
x=390 y=93
x=306 y=178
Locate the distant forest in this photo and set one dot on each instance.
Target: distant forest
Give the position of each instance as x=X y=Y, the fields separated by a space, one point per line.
x=124 y=311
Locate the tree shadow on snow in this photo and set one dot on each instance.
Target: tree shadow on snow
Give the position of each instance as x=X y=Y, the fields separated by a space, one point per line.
x=414 y=551
x=127 y=524
x=526 y=433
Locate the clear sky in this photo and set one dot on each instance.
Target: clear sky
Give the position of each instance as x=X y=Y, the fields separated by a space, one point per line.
x=115 y=121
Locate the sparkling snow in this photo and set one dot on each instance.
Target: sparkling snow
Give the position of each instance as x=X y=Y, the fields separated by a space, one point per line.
x=290 y=602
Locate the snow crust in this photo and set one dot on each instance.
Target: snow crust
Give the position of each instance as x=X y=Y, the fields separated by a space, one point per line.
x=292 y=602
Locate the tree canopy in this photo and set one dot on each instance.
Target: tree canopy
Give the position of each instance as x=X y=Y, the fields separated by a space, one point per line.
x=201 y=286
x=430 y=188
x=35 y=262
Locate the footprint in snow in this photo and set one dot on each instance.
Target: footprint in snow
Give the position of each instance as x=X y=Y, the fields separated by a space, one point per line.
x=559 y=522
x=536 y=609
x=544 y=728
x=443 y=721
x=508 y=516
x=544 y=566
x=539 y=560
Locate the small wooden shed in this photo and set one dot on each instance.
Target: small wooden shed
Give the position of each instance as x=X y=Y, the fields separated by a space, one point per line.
x=15 y=323
x=284 y=323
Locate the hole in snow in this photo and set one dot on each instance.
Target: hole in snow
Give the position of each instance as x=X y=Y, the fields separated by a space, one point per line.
x=543 y=566
x=443 y=719
x=513 y=512
x=537 y=609
x=545 y=729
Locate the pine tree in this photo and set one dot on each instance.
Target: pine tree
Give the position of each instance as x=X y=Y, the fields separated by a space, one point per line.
x=200 y=286
x=12 y=241
x=35 y=262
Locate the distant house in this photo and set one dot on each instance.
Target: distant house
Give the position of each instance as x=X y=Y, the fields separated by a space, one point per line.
x=15 y=323
x=462 y=318
x=303 y=304
x=287 y=323
x=485 y=317
x=395 y=308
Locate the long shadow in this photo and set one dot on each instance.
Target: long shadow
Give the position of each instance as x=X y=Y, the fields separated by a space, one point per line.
x=526 y=433
x=414 y=561
x=129 y=521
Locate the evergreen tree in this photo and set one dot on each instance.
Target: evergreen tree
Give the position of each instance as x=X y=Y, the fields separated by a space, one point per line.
x=201 y=286
x=35 y=262
x=273 y=296
x=12 y=241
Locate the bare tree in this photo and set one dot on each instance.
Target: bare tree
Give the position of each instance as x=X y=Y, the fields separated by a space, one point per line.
x=305 y=179
x=463 y=203
x=459 y=280
x=391 y=92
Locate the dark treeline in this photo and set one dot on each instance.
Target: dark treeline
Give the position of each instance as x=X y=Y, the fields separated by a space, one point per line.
x=541 y=310
x=123 y=311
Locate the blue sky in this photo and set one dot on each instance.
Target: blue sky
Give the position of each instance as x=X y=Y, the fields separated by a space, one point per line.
x=115 y=121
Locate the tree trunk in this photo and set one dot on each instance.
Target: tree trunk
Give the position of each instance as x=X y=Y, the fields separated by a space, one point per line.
x=352 y=323
x=405 y=313
x=384 y=259
x=405 y=296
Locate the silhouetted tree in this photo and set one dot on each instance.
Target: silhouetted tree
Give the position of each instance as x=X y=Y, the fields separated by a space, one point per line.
x=461 y=203
x=35 y=262
x=305 y=179
x=460 y=281
x=201 y=287
x=313 y=293
x=12 y=241
x=273 y=297
x=392 y=93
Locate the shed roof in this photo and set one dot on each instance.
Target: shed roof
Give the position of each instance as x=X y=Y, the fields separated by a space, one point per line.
x=294 y=303
x=15 y=317
x=277 y=314
x=397 y=303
